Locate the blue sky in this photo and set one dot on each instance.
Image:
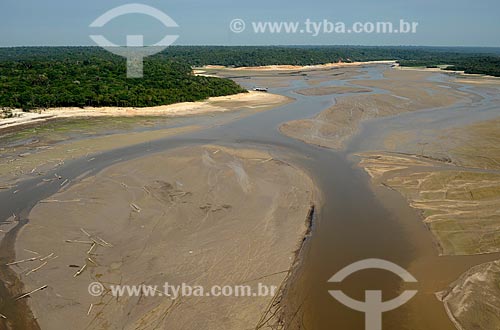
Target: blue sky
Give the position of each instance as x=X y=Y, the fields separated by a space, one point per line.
x=203 y=22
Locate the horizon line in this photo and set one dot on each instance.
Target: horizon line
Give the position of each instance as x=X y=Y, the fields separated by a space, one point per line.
x=263 y=45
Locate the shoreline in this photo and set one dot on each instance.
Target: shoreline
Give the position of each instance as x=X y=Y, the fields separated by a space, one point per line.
x=456 y=74
x=292 y=67
x=252 y=100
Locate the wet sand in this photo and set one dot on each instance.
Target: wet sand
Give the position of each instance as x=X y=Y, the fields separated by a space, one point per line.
x=38 y=161
x=275 y=78
x=473 y=301
x=206 y=216
x=331 y=91
x=404 y=91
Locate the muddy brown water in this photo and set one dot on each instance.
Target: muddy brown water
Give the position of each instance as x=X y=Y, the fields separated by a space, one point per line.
x=356 y=221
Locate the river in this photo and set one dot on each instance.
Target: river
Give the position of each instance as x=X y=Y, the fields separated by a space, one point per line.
x=356 y=220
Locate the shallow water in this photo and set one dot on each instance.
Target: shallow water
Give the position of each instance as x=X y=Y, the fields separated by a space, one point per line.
x=355 y=222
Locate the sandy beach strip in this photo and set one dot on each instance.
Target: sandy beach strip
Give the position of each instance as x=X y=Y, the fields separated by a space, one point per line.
x=251 y=100
x=297 y=67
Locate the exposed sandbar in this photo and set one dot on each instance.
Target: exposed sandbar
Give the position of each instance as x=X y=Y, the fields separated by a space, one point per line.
x=473 y=301
x=207 y=216
x=319 y=91
x=408 y=91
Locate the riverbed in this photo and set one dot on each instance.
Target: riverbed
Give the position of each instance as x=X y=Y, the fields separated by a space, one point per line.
x=356 y=219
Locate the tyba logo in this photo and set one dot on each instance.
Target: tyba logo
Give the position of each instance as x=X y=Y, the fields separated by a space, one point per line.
x=373 y=306
x=134 y=51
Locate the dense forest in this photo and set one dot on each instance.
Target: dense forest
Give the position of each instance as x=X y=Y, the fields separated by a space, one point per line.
x=40 y=77
x=96 y=78
x=471 y=60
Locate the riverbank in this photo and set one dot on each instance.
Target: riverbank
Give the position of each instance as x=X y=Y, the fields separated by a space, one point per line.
x=474 y=77
x=253 y=100
x=42 y=141
x=298 y=67
x=217 y=216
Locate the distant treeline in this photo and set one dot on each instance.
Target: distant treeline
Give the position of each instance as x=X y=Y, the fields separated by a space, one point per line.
x=470 y=60
x=33 y=77
x=469 y=63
